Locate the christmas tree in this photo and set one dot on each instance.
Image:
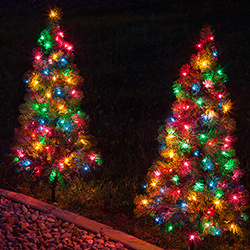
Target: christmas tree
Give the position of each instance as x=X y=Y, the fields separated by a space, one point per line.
x=194 y=183
x=53 y=141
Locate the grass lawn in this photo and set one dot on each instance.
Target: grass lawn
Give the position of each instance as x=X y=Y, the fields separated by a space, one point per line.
x=129 y=56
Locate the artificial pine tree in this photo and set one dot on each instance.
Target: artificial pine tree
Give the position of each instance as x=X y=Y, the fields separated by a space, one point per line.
x=194 y=183
x=53 y=141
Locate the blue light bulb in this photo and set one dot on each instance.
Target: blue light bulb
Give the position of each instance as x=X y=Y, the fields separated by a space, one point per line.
x=63 y=61
x=215 y=53
x=196 y=153
x=172 y=119
x=86 y=168
x=205 y=117
x=196 y=88
x=26 y=163
x=211 y=184
x=158 y=220
x=58 y=91
x=66 y=128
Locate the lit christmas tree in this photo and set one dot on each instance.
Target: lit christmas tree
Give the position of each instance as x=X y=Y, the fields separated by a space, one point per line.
x=53 y=140
x=194 y=183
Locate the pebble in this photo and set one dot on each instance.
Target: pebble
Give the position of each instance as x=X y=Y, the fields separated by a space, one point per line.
x=71 y=226
x=65 y=235
x=25 y=210
x=48 y=236
x=5 y=214
x=22 y=227
x=110 y=245
x=33 y=217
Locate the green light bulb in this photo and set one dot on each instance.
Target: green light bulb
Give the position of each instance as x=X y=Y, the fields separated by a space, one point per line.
x=36 y=106
x=175 y=178
x=199 y=186
x=171 y=131
x=203 y=136
x=199 y=101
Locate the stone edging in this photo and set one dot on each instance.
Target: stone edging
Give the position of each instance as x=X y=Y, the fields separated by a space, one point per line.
x=96 y=227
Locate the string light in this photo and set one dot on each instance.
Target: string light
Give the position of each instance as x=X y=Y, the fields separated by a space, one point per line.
x=197 y=164
x=53 y=124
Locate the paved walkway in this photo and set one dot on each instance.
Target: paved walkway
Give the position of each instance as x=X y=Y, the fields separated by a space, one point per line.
x=27 y=223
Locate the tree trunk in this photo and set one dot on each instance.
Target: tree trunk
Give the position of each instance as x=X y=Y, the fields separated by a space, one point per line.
x=191 y=245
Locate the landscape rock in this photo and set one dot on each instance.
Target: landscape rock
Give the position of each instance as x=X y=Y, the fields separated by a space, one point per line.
x=22 y=227
x=25 y=210
x=71 y=226
x=33 y=217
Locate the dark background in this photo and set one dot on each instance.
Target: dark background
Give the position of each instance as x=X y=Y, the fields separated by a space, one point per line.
x=129 y=53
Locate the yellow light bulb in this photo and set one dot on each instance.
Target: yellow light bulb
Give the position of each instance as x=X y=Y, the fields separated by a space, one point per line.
x=171 y=154
x=211 y=114
x=194 y=198
x=153 y=184
x=170 y=136
x=52 y=14
x=83 y=141
x=227 y=106
x=55 y=14
x=38 y=146
x=232 y=226
x=144 y=202
x=66 y=160
x=48 y=95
